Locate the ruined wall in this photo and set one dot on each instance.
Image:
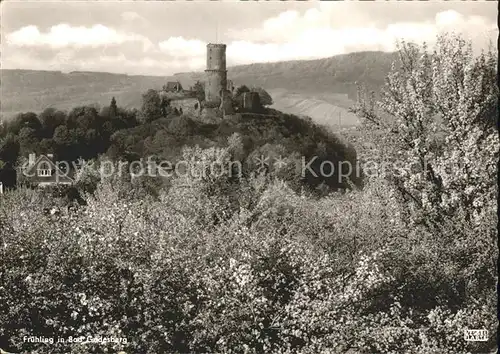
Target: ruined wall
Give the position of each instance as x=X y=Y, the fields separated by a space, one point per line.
x=187 y=105
x=175 y=95
x=230 y=85
x=227 y=104
x=250 y=101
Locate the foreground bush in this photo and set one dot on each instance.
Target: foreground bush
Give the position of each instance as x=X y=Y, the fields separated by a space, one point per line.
x=266 y=270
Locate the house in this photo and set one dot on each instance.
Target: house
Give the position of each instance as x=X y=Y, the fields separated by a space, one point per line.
x=173 y=86
x=43 y=171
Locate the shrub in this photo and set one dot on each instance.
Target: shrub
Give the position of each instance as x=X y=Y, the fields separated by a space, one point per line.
x=217 y=266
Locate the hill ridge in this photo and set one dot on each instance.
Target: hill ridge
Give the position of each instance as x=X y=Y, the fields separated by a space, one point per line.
x=25 y=90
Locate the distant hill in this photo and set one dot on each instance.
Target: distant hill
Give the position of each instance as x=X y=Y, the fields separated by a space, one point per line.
x=29 y=90
x=337 y=74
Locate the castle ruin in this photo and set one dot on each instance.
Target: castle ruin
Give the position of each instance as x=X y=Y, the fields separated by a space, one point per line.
x=219 y=100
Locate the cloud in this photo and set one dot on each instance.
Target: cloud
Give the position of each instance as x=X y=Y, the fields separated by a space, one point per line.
x=475 y=28
x=316 y=34
x=448 y=17
x=144 y=65
x=117 y=59
x=101 y=48
x=291 y=35
x=64 y=35
x=132 y=16
x=182 y=48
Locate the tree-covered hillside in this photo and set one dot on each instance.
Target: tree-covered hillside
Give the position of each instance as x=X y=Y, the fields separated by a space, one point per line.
x=156 y=130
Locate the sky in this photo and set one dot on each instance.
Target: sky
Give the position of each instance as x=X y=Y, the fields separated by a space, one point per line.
x=163 y=38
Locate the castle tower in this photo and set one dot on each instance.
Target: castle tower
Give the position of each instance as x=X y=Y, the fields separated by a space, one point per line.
x=216 y=73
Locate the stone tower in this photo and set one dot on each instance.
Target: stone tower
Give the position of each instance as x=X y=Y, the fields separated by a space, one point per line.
x=216 y=73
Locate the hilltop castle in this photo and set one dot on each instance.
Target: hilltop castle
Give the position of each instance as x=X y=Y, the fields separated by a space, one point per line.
x=218 y=90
